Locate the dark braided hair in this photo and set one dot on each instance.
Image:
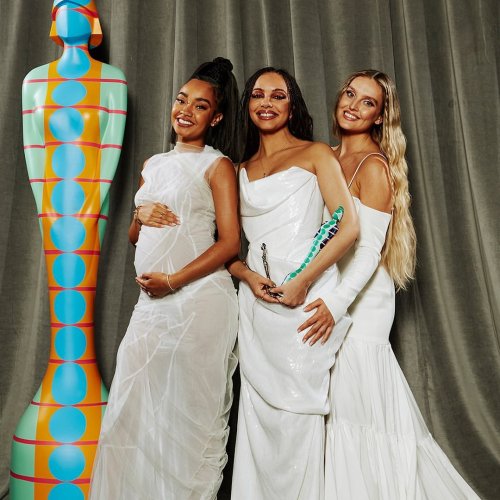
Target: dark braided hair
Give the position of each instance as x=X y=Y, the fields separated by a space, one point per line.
x=300 y=123
x=225 y=135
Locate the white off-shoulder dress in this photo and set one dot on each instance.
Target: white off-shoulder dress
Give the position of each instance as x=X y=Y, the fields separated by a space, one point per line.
x=284 y=382
x=378 y=446
x=165 y=428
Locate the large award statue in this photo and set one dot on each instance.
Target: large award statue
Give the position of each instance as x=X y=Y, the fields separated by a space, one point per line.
x=74 y=112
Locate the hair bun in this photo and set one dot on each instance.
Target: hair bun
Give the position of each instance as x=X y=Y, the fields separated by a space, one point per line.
x=217 y=71
x=223 y=63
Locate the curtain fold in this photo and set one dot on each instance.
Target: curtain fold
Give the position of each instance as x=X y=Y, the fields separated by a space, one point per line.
x=443 y=55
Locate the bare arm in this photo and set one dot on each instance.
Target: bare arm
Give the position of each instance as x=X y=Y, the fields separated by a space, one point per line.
x=375 y=193
x=225 y=195
x=335 y=193
x=372 y=186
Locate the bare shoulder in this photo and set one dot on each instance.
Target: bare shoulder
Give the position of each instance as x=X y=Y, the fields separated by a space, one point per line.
x=221 y=170
x=319 y=149
x=374 y=184
x=375 y=171
x=224 y=164
x=323 y=158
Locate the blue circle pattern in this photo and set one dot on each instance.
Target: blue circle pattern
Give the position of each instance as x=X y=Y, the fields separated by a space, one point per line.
x=66 y=491
x=69 y=385
x=66 y=124
x=67 y=424
x=69 y=93
x=75 y=64
x=67 y=197
x=68 y=161
x=68 y=270
x=67 y=462
x=68 y=234
x=70 y=343
x=69 y=306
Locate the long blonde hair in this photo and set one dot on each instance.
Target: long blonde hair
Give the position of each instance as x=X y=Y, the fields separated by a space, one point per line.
x=399 y=252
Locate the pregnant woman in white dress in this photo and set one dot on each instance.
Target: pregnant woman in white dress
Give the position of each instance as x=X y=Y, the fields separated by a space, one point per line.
x=285 y=182
x=165 y=428
x=378 y=446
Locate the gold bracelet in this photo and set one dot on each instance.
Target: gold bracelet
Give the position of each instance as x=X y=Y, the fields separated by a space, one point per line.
x=136 y=215
x=168 y=283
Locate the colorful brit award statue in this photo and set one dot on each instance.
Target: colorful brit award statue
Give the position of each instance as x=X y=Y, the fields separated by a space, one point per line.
x=74 y=112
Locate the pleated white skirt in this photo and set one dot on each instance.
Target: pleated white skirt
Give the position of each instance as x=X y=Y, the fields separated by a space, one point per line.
x=378 y=446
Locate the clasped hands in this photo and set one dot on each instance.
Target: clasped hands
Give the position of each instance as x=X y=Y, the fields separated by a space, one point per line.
x=317 y=327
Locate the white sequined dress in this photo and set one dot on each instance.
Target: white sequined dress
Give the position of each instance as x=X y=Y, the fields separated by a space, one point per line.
x=284 y=382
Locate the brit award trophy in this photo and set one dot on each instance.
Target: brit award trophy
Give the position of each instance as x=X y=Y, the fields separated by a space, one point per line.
x=74 y=112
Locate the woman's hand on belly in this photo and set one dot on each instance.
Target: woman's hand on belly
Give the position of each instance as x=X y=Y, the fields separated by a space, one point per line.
x=320 y=324
x=156 y=285
x=156 y=215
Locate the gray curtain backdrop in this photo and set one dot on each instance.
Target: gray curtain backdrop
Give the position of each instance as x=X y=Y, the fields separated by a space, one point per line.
x=443 y=55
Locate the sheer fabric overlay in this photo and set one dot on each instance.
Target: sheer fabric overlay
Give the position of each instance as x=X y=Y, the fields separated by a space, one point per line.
x=165 y=428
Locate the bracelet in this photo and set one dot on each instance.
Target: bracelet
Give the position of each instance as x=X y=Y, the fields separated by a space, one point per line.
x=168 y=283
x=136 y=215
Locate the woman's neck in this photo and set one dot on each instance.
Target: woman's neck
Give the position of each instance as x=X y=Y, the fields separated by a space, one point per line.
x=274 y=142
x=183 y=147
x=357 y=143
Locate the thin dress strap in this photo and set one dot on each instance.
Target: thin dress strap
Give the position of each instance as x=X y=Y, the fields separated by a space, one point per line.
x=361 y=163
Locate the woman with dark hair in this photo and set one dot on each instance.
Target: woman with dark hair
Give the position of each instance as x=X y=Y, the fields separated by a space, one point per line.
x=285 y=182
x=378 y=446
x=165 y=427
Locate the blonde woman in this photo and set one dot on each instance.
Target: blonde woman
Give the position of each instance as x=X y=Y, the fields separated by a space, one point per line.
x=378 y=446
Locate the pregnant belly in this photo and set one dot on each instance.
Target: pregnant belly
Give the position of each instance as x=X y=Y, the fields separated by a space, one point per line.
x=167 y=250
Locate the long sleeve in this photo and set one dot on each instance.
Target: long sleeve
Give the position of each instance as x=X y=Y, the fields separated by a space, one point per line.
x=373 y=229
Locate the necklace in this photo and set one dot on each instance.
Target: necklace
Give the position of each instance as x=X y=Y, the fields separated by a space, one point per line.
x=262 y=168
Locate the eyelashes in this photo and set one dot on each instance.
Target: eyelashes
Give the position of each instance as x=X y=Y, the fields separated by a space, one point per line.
x=199 y=107
x=276 y=97
x=351 y=95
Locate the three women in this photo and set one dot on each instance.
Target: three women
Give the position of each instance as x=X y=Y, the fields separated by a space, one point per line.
x=166 y=425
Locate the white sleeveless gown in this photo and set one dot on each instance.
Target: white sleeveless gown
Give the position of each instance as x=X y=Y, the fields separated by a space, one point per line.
x=284 y=382
x=165 y=427
x=378 y=446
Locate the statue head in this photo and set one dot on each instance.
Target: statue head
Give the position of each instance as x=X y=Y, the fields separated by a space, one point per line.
x=80 y=20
